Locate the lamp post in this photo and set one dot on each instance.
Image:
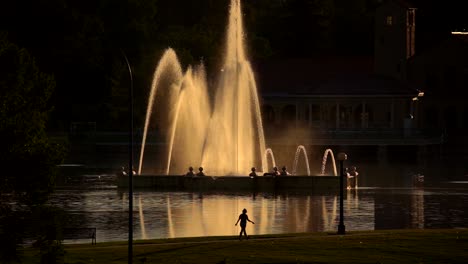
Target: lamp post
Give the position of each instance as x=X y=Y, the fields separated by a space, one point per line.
x=130 y=165
x=341 y=227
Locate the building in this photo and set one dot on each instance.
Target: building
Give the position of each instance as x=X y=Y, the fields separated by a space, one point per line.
x=349 y=102
x=443 y=72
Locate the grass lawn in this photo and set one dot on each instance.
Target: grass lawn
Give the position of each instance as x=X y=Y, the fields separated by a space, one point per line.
x=389 y=246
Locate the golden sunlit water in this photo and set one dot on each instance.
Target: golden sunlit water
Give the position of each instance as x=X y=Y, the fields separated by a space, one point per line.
x=192 y=214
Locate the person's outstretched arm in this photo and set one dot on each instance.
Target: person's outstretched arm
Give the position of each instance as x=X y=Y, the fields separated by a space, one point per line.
x=237 y=221
x=250 y=221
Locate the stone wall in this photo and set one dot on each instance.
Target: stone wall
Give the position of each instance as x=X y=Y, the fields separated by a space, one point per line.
x=316 y=184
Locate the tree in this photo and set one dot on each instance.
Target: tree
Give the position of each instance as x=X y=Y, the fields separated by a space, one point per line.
x=27 y=156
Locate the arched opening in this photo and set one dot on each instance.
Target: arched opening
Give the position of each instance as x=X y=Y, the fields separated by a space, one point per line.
x=431 y=117
x=268 y=116
x=450 y=118
x=288 y=115
x=363 y=116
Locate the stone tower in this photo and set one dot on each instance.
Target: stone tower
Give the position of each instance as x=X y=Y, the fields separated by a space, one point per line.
x=394 y=41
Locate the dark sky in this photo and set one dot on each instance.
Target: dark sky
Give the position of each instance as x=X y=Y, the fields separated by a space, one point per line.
x=78 y=41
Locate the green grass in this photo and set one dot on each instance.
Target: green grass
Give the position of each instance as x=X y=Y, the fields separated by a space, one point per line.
x=391 y=246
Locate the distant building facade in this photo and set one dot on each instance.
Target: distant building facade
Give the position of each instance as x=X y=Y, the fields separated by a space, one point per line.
x=442 y=71
x=379 y=101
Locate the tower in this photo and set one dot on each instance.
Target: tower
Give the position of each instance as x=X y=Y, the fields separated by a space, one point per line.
x=394 y=41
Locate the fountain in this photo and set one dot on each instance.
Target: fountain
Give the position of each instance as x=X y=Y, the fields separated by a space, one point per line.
x=300 y=149
x=223 y=134
x=324 y=162
x=269 y=152
x=226 y=137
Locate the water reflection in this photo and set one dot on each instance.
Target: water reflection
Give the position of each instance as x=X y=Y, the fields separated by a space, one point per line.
x=169 y=217
x=329 y=218
x=182 y=214
x=417 y=209
x=142 y=218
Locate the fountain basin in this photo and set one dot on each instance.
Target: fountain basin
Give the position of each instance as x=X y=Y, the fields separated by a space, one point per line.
x=315 y=184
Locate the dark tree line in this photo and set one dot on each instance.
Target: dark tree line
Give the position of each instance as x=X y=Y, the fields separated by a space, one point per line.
x=28 y=157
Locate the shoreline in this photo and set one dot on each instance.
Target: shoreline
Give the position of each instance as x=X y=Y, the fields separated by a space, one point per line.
x=377 y=246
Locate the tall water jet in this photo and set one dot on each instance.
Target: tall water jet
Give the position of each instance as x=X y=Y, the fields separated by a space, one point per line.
x=324 y=162
x=168 y=73
x=300 y=149
x=226 y=138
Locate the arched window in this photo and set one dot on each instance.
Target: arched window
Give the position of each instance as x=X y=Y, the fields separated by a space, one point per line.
x=363 y=119
x=431 y=117
x=315 y=112
x=268 y=114
x=288 y=115
x=450 y=118
x=307 y=114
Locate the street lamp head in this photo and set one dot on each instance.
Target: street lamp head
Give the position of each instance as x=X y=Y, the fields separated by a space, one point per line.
x=342 y=156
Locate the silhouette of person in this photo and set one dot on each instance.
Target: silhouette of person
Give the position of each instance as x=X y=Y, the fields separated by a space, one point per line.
x=348 y=178
x=352 y=177
x=284 y=172
x=253 y=174
x=123 y=172
x=276 y=172
x=190 y=173
x=418 y=180
x=200 y=172
x=243 y=218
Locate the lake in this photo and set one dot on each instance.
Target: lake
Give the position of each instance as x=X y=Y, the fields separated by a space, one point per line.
x=192 y=214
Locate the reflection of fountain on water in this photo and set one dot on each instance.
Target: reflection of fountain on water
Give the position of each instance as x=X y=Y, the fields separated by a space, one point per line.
x=170 y=222
x=417 y=207
x=207 y=214
x=142 y=218
x=324 y=162
x=329 y=218
x=296 y=159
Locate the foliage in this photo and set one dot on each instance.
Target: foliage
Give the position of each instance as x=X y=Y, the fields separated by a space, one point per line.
x=27 y=155
x=47 y=231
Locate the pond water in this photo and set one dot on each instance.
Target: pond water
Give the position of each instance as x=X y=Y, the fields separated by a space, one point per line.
x=189 y=214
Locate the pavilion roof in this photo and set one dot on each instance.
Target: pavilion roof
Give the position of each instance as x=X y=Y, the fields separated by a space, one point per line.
x=327 y=76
